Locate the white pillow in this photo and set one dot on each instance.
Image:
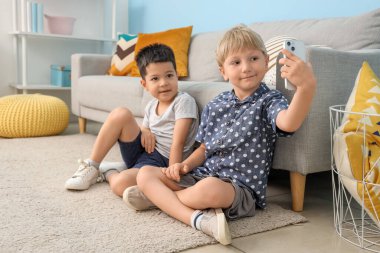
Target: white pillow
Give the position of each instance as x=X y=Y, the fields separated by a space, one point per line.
x=274 y=46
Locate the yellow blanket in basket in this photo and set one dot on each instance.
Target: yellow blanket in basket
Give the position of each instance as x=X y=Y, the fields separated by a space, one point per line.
x=357 y=143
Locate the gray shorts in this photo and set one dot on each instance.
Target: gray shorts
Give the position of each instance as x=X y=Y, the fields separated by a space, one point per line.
x=244 y=204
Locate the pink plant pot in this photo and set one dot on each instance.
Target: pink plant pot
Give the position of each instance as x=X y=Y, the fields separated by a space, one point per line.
x=60 y=25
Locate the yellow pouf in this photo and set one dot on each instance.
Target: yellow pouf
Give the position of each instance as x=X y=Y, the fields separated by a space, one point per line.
x=32 y=115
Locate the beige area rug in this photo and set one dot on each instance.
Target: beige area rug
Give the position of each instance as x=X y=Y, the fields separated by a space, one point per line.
x=38 y=215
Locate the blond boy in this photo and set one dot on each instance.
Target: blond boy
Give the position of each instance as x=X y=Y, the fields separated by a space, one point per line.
x=226 y=177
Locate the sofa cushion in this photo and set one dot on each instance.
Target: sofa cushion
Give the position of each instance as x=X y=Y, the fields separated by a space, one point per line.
x=178 y=39
x=202 y=92
x=348 y=33
x=202 y=58
x=124 y=56
x=124 y=91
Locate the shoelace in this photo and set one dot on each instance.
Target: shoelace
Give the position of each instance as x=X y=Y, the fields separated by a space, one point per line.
x=100 y=178
x=84 y=168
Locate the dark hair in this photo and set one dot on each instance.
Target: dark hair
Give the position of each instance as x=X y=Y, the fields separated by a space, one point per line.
x=152 y=54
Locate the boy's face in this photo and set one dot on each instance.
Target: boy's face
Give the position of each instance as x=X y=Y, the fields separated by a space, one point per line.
x=161 y=81
x=245 y=69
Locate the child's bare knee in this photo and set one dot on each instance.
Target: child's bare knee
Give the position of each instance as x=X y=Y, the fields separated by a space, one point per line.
x=121 y=110
x=121 y=114
x=210 y=191
x=145 y=173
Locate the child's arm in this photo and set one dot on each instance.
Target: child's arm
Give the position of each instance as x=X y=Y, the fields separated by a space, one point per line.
x=196 y=159
x=181 y=131
x=148 y=140
x=301 y=75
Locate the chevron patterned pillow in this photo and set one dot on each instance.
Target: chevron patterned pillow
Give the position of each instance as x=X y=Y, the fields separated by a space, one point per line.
x=124 y=56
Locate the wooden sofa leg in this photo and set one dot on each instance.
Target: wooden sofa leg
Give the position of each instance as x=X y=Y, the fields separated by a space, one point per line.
x=297 y=187
x=82 y=125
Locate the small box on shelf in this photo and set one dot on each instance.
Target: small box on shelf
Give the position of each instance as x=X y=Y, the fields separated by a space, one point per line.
x=60 y=25
x=60 y=75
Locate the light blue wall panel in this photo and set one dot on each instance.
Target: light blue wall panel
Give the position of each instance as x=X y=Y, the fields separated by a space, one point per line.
x=209 y=15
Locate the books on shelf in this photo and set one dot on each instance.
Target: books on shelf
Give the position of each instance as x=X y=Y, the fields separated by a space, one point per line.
x=28 y=16
x=32 y=16
x=40 y=18
x=33 y=22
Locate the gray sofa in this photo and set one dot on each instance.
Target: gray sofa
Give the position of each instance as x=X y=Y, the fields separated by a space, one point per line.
x=351 y=40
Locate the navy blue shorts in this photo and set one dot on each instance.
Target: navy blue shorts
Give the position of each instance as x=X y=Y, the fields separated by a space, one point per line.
x=135 y=156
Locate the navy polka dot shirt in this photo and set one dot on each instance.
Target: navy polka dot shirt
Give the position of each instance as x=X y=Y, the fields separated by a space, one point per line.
x=240 y=136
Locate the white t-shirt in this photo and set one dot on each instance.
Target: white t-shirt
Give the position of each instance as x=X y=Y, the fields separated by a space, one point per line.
x=183 y=106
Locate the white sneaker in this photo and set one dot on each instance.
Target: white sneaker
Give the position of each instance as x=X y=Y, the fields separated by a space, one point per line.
x=84 y=177
x=214 y=224
x=136 y=200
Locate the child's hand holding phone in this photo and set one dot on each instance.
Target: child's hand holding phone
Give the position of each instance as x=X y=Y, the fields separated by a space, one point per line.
x=297 y=48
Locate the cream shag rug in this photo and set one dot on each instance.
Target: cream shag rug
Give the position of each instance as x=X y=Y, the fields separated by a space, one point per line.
x=39 y=215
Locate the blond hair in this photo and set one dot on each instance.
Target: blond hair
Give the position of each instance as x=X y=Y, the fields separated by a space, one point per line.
x=237 y=38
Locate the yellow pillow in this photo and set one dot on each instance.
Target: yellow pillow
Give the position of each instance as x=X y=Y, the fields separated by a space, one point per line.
x=178 y=39
x=365 y=98
x=357 y=143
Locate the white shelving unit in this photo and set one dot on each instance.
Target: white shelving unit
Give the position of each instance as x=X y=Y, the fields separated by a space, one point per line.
x=21 y=40
x=58 y=36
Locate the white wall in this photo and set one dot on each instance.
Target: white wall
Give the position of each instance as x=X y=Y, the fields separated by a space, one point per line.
x=6 y=48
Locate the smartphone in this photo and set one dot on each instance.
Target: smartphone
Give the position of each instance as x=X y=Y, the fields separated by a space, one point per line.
x=297 y=47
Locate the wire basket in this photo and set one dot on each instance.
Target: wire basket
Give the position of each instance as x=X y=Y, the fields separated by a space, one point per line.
x=356 y=211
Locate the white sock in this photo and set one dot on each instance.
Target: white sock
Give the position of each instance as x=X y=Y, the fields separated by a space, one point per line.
x=92 y=163
x=109 y=172
x=195 y=219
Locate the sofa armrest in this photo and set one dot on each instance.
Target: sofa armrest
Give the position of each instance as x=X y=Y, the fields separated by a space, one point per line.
x=83 y=65
x=309 y=149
